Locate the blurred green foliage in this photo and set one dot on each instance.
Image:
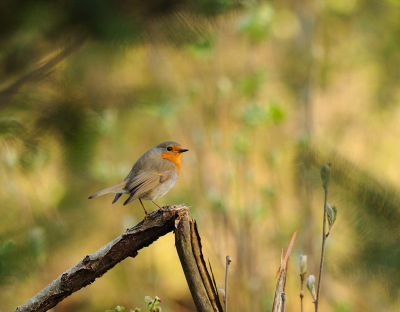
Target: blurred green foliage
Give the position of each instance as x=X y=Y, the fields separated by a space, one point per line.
x=257 y=114
x=250 y=85
x=87 y=86
x=117 y=309
x=342 y=307
x=6 y=259
x=152 y=305
x=256 y=25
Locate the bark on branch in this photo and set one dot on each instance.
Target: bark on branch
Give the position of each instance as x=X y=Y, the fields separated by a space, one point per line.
x=157 y=224
x=188 y=246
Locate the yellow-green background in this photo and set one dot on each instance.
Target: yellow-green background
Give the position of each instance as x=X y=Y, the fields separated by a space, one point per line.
x=252 y=89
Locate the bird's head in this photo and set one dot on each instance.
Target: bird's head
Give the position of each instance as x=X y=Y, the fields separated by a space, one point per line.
x=171 y=151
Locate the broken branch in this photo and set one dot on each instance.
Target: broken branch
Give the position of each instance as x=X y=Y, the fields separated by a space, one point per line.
x=85 y=272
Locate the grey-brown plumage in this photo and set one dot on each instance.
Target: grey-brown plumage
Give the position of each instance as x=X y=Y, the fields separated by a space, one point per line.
x=152 y=176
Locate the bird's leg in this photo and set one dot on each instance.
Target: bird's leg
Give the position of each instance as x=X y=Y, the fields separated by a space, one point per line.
x=156 y=204
x=143 y=207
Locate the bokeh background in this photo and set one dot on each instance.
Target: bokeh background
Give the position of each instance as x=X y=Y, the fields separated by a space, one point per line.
x=262 y=93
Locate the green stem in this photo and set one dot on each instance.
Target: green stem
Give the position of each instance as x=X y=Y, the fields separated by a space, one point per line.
x=228 y=261
x=323 y=250
x=301 y=291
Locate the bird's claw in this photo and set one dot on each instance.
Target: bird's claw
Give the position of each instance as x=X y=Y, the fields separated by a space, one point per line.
x=165 y=208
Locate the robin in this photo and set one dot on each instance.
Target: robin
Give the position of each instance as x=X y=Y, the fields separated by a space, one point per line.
x=153 y=175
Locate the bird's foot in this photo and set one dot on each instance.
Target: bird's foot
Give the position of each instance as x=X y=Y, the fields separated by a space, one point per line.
x=165 y=208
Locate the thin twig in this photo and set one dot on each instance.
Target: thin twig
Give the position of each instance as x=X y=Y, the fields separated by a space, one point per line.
x=228 y=262
x=301 y=290
x=323 y=249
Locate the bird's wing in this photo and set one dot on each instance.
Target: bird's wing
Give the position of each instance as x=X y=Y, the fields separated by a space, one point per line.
x=145 y=182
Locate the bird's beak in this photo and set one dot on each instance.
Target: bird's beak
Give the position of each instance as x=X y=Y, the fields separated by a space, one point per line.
x=182 y=150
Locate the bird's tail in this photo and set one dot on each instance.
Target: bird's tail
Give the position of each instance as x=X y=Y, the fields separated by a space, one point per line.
x=117 y=188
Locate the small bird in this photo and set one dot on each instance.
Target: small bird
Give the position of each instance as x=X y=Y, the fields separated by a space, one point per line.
x=153 y=175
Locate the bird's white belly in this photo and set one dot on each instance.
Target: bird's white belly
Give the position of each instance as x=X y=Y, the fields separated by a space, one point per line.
x=162 y=189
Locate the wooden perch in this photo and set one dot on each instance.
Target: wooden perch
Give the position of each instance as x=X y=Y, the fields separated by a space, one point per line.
x=188 y=246
x=155 y=225
x=211 y=287
x=279 y=297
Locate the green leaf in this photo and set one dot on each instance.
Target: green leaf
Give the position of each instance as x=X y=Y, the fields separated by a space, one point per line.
x=250 y=85
x=203 y=49
x=256 y=113
x=334 y=214
x=7 y=247
x=256 y=25
x=10 y=126
x=277 y=112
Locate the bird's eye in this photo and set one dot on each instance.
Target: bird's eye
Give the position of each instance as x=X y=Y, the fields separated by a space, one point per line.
x=169 y=148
